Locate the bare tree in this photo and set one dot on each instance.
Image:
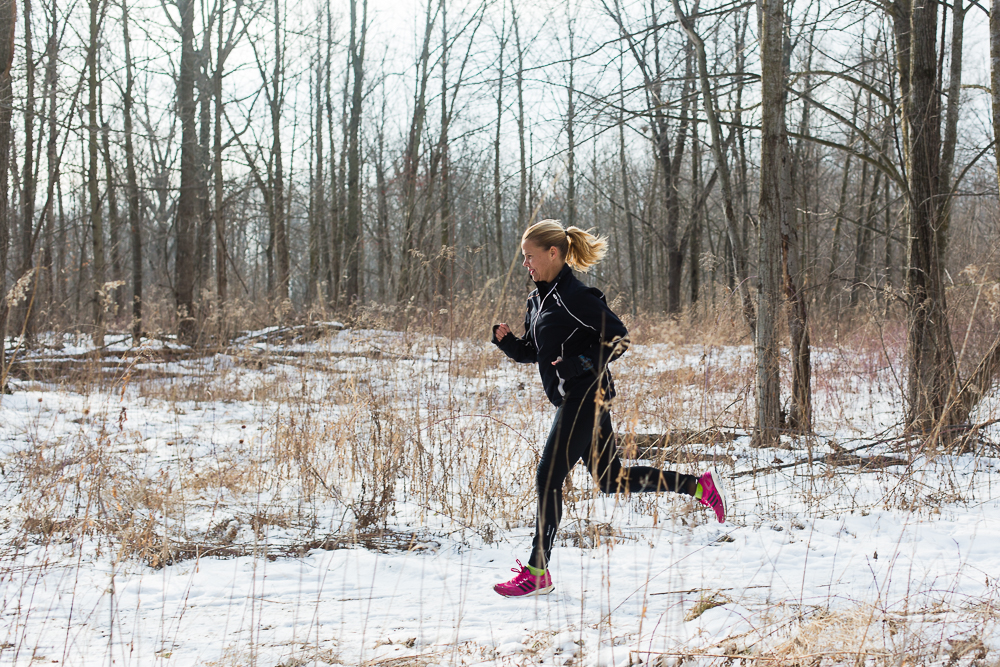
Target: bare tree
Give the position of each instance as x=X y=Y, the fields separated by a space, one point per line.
x=383 y=245
x=771 y=214
x=352 y=229
x=411 y=160
x=317 y=185
x=672 y=170
x=497 y=195
x=982 y=377
x=864 y=252
x=442 y=153
x=187 y=200
x=440 y=157
x=8 y=20
x=522 y=187
x=203 y=88
x=114 y=219
x=738 y=256
x=132 y=184
x=51 y=153
x=627 y=209
x=29 y=178
x=279 y=223
x=932 y=378
x=570 y=123
x=96 y=218
x=694 y=233
x=742 y=164
x=329 y=254
x=951 y=112
x=995 y=79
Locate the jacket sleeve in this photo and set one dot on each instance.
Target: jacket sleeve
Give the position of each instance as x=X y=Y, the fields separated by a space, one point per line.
x=590 y=308
x=521 y=350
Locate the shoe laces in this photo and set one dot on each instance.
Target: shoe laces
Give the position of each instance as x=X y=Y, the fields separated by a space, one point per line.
x=523 y=573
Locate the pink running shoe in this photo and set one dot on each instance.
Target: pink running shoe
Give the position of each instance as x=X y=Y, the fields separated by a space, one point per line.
x=525 y=583
x=712 y=494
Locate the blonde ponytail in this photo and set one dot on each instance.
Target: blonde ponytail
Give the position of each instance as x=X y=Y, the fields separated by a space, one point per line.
x=580 y=249
x=585 y=250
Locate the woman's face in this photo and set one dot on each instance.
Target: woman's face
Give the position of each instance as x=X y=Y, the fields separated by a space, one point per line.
x=543 y=264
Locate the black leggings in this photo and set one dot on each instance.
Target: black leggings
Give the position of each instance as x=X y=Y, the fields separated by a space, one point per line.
x=573 y=436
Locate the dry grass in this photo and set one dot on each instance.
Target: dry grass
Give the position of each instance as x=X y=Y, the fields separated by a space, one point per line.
x=858 y=635
x=367 y=434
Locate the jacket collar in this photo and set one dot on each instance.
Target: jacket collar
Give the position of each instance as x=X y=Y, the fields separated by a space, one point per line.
x=545 y=287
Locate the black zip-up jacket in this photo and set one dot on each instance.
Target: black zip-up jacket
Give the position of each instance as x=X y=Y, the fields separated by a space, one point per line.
x=568 y=320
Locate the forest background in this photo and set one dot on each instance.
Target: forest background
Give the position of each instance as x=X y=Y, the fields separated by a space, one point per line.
x=197 y=168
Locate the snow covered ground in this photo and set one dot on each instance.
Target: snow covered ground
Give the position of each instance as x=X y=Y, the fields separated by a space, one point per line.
x=352 y=500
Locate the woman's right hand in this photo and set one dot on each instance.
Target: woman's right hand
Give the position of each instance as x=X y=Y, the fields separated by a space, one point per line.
x=500 y=331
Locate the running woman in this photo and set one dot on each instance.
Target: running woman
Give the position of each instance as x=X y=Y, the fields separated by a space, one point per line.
x=572 y=335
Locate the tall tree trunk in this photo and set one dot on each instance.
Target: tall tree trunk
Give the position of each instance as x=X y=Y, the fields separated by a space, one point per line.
x=951 y=121
x=803 y=173
x=672 y=171
x=771 y=213
x=696 y=218
x=187 y=201
x=899 y=11
x=522 y=188
x=981 y=379
x=864 y=254
x=411 y=161
x=570 y=129
x=497 y=212
x=633 y=260
x=96 y=221
x=206 y=221
x=995 y=79
x=278 y=178
x=114 y=221
x=132 y=186
x=339 y=177
x=931 y=373
x=221 y=252
x=80 y=241
x=51 y=159
x=862 y=240
x=800 y=410
x=8 y=20
x=833 y=280
x=741 y=148
x=383 y=244
x=317 y=208
x=60 y=286
x=888 y=263
x=352 y=230
x=445 y=212
x=25 y=307
x=330 y=221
